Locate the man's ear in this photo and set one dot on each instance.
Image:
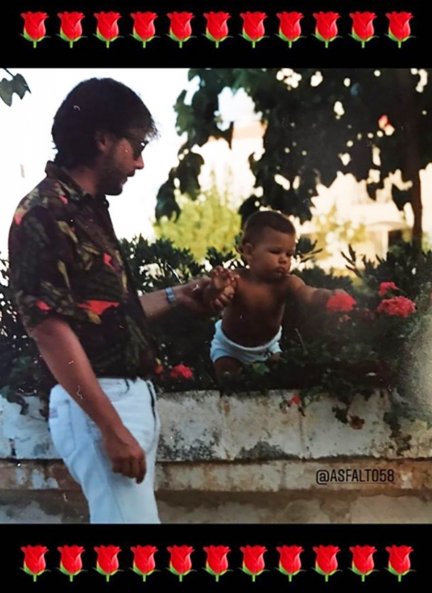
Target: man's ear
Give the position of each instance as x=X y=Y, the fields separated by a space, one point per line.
x=103 y=140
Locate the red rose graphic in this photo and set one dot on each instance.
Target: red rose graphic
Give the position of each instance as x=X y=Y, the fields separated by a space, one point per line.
x=181 y=371
x=107 y=26
x=180 y=26
x=217 y=26
x=70 y=26
x=253 y=560
x=397 y=306
x=34 y=560
x=289 y=26
x=386 y=287
x=362 y=562
x=363 y=28
x=326 y=28
x=144 y=28
x=399 y=27
x=399 y=561
x=253 y=26
x=180 y=562
x=70 y=560
x=340 y=302
x=34 y=26
x=107 y=562
x=326 y=562
x=217 y=561
x=144 y=562
x=289 y=560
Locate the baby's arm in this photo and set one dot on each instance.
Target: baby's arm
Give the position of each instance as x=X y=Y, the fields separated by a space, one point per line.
x=309 y=296
x=221 y=288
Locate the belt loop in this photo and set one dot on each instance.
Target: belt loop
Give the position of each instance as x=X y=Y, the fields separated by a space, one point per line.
x=127 y=384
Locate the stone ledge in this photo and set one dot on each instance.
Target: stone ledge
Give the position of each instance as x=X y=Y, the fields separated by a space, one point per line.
x=204 y=426
x=410 y=476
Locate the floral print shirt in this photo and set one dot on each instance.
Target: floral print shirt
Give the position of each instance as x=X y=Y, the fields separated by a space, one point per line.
x=65 y=261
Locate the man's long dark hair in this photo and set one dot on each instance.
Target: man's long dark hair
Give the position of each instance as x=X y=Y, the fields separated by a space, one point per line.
x=96 y=105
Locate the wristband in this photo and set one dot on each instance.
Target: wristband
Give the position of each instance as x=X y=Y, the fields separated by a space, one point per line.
x=170 y=295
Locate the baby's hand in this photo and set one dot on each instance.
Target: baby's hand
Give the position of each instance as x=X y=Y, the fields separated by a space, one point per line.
x=221 y=289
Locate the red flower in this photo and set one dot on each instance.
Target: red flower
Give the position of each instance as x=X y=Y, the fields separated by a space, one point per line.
x=362 y=562
x=70 y=29
x=144 y=28
x=363 y=28
x=34 y=560
x=253 y=26
x=289 y=26
x=326 y=562
x=180 y=562
x=181 y=371
x=70 y=560
x=399 y=27
x=341 y=302
x=107 y=26
x=397 y=306
x=144 y=562
x=34 y=26
x=107 y=562
x=253 y=560
x=399 y=561
x=326 y=28
x=289 y=560
x=217 y=26
x=217 y=562
x=180 y=26
x=386 y=287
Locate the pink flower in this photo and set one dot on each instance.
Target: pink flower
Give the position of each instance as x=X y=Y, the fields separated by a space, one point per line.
x=341 y=302
x=386 y=287
x=398 y=306
x=181 y=371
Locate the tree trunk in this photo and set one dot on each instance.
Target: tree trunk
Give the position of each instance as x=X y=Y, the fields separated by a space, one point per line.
x=413 y=162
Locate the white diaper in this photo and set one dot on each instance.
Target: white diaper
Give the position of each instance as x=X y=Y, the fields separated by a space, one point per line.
x=223 y=346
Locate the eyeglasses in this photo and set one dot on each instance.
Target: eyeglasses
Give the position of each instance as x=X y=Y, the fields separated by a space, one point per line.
x=137 y=145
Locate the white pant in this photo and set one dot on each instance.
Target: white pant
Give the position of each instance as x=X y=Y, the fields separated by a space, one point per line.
x=112 y=498
x=222 y=346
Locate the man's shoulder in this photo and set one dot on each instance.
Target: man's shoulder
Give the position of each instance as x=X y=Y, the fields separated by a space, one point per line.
x=48 y=194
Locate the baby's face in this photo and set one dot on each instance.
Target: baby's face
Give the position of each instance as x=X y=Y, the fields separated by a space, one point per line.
x=270 y=257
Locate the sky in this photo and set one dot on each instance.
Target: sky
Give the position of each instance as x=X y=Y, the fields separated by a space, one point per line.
x=26 y=145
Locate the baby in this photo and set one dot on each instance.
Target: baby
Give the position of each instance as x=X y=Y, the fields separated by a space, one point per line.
x=250 y=328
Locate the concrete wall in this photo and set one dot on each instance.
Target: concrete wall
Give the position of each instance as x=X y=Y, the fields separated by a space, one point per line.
x=245 y=458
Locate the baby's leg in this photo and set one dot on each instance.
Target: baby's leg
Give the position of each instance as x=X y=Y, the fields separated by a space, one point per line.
x=227 y=366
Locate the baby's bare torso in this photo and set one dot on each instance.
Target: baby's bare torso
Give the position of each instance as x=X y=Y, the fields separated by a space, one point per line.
x=255 y=314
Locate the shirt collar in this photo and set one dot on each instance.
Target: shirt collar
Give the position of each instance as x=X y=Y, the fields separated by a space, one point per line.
x=76 y=193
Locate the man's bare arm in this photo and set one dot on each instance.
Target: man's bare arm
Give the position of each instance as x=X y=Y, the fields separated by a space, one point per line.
x=65 y=357
x=188 y=295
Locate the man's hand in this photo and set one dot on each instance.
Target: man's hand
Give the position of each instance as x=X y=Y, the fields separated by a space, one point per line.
x=205 y=295
x=126 y=455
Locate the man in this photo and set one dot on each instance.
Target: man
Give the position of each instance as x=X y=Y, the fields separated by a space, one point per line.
x=77 y=300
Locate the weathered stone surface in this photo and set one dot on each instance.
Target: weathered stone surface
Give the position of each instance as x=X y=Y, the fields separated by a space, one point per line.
x=202 y=425
x=241 y=458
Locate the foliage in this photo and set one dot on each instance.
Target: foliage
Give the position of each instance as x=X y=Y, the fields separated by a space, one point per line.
x=209 y=216
x=342 y=353
x=16 y=85
x=312 y=117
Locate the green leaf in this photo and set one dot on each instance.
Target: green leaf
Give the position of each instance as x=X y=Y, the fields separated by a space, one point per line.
x=6 y=91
